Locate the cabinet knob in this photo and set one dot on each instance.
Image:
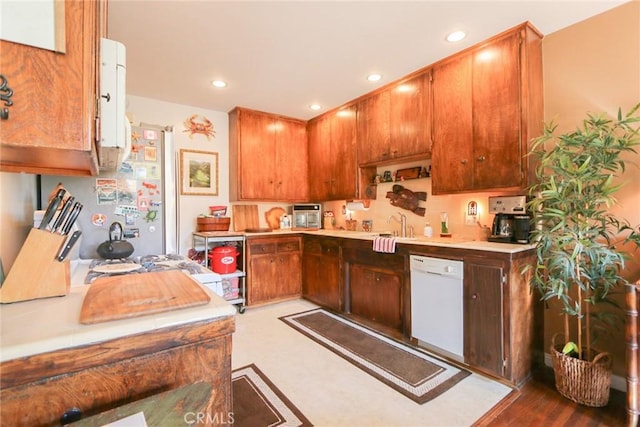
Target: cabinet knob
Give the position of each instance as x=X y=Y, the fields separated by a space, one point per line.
x=474 y=296
x=481 y=158
x=463 y=161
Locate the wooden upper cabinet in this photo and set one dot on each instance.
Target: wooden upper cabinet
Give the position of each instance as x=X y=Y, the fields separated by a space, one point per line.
x=487 y=106
x=320 y=162
x=394 y=124
x=268 y=157
x=410 y=117
x=373 y=128
x=51 y=127
x=453 y=129
x=496 y=114
x=333 y=170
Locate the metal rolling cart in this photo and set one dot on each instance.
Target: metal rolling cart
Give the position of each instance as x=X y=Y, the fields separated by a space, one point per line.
x=211 y=239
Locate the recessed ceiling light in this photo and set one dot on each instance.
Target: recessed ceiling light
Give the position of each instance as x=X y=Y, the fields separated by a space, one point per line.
x=374 y=77
x=315 y=107
x=456 y=36
x=219 y=83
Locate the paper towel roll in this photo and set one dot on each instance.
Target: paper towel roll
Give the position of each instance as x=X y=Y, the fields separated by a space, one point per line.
x=356 y=206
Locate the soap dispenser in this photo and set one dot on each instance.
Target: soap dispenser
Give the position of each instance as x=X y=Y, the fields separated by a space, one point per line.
x=428 y=231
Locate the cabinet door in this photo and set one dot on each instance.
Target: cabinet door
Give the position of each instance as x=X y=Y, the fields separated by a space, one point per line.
x=376 y=295
x=51 y=124
x=290 y=167
x=321 y=272
x=320 y=162
x=410 y=117
x=344 y=168
x=288 y=279
x=497 y=152
x=484 y=316
x=373 y=128
x=263 y=273
x=452 y=160
x=275 y=269
x=257 y=153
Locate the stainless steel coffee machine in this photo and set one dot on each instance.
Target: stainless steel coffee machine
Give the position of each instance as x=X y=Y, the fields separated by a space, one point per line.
x=512 y=223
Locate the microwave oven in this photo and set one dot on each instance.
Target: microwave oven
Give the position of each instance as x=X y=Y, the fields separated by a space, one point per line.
x=307 y=217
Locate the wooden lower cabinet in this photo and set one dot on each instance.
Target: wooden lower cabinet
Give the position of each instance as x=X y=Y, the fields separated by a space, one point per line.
x=483 y=295
x=376 y=294
x=274 y=269
x=321 y=272
x=502 y=318
x=375 y=285
x=499 y=312
x=40 y=389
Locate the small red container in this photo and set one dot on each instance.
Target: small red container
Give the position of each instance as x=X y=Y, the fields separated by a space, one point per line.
x=222 y=259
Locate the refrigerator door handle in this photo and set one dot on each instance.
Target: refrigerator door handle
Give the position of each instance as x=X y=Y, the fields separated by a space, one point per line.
x=127 y=139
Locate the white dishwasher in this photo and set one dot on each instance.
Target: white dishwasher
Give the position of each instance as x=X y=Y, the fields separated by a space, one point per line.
x=436 y=305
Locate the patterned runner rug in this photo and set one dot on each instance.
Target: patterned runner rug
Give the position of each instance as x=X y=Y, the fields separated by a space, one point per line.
x=408 y=370
x=257 y=402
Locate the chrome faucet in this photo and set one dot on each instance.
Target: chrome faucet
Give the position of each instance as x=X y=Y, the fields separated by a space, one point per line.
x=402 y=221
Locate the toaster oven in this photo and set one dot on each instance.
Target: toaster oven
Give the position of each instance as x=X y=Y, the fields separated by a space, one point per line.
x=307 y=217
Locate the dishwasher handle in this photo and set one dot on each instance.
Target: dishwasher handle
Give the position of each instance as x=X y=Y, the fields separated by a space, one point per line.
x=438 y=266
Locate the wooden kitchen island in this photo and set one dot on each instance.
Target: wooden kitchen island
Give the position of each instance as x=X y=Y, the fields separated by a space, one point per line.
x=52 y=367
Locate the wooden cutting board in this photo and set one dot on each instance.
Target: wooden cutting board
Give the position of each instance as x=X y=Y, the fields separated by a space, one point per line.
x=245 y=216
x=132 y=295
x=273 y=217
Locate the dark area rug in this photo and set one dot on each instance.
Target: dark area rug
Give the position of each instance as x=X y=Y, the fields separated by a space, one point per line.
x=408 y=370
x=257 y=402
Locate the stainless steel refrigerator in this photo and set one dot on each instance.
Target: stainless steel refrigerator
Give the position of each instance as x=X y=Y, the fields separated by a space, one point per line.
x=140 y=195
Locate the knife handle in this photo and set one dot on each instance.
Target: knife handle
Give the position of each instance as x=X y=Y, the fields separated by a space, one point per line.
x=71 y=219
x=63 y=214
x=67 y=247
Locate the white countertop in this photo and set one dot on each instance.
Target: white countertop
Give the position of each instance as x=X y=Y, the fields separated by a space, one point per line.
x=456 y=242
x=48 y=324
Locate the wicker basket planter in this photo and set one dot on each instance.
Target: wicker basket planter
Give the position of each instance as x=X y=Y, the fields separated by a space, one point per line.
x=581 y=381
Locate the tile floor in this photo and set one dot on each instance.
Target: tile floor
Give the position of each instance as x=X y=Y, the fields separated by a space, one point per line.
x=332 y=392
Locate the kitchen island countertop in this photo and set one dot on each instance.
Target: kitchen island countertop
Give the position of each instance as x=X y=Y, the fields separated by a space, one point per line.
x=48 y=324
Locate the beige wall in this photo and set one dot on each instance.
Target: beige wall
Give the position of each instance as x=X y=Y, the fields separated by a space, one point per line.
x=594 y=66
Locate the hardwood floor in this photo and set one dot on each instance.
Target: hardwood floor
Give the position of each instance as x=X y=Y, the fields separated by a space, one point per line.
x=538 y=403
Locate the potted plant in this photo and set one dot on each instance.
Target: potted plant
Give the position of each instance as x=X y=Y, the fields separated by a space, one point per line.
x=574 y=232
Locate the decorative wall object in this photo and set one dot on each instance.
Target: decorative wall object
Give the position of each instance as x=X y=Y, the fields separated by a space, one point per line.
x=198 y=173
x=407 y=199
x=205 y=127
x=408 y=173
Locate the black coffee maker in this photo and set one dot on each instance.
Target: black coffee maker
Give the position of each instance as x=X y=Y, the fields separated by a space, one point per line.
x=512 y=223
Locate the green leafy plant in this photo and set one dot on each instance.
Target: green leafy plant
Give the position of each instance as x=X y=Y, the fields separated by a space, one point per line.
x=574 y=230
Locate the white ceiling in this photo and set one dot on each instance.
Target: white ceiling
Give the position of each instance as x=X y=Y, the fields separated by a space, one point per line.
x=282 y=56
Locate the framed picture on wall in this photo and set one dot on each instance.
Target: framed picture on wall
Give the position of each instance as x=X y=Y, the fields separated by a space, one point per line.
x=198 y=173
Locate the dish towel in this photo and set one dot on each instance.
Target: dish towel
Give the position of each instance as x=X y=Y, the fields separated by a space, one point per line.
x=384 y=244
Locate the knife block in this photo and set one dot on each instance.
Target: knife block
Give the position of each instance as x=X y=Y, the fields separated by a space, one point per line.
x=36 y=273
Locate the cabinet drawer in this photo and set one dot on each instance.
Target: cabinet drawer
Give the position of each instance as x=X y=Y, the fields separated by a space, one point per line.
x=322 y=246
x=292 y=245
x=105 y=387
x=262 y=248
